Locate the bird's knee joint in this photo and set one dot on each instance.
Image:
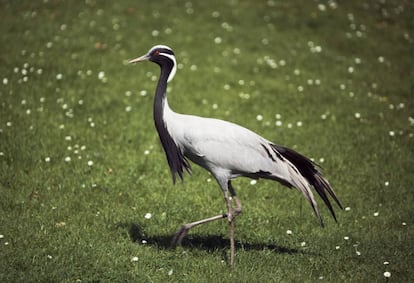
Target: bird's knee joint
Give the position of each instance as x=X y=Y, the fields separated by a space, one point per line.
x=238 y=210
x=233 y=213
x=185 y=227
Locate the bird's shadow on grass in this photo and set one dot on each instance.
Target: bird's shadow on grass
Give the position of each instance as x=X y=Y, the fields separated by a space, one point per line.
x=209 y=243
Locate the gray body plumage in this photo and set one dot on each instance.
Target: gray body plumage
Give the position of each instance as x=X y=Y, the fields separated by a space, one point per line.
x=229 y=151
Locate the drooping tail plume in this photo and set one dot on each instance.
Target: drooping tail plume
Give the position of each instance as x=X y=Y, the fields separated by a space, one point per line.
x=310 y=171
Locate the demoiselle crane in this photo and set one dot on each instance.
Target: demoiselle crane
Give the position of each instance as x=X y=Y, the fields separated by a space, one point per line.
x=227 y=151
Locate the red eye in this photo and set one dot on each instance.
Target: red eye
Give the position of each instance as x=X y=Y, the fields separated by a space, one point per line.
x=157 y=52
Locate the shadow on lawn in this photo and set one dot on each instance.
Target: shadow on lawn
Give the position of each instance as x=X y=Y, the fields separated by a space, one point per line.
x=209 y=243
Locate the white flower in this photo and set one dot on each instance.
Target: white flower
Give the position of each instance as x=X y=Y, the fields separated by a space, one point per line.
x=59 y=76
x=289 y=232
x=253 y=182
x=47 y=159
x=321 y=7
x=170 y=272
x=90 y=163
x=387 y=274
x=101 y=75
x=148 y=215
x=318 y=49
x=67 y=159
x=134 y=259
x=215 y=14
x=259 y=117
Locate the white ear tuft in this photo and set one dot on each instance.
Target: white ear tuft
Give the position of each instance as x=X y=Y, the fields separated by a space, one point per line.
x=174 y=68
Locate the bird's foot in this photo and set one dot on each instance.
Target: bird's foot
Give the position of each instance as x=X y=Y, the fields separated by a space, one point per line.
x=179 y=236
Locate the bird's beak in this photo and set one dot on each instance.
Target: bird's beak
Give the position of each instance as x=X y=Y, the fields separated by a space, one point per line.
x=139 y=59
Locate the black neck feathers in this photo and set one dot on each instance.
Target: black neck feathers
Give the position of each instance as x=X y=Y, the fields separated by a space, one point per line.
x=175 y=157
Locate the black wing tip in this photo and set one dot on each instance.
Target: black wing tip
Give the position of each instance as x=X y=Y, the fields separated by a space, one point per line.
x=322 y=186
x=309 y=170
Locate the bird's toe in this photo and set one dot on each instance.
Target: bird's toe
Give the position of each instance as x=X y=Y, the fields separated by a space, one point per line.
x=179 y=236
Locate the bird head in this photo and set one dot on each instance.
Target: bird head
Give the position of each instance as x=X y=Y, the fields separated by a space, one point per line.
x=163 y=56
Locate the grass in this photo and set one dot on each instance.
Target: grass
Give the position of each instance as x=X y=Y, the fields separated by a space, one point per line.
x=81 y=165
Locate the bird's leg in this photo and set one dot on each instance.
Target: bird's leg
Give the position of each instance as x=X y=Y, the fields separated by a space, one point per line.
x=182 y=232
x=231 y=216
x=236 y=200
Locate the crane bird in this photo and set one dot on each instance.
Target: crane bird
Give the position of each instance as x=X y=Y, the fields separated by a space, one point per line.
x=227 y=151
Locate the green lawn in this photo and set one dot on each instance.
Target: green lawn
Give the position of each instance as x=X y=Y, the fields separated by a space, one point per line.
x=85 y=190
